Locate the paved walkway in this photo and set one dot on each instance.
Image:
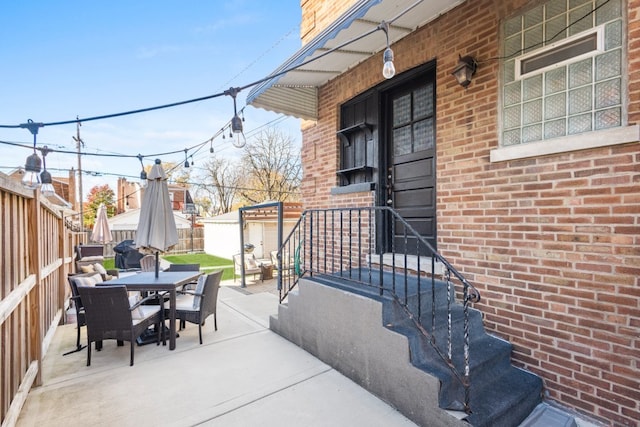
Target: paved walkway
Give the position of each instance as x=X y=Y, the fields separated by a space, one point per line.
x=242 y=375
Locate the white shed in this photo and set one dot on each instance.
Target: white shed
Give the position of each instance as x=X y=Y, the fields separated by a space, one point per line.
x=222 y=232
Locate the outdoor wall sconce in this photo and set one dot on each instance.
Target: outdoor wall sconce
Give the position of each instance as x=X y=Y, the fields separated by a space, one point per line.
x=465 y=69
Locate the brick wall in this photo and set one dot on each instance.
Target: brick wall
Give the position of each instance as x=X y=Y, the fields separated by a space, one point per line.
x=552 y=243
x=318 y=15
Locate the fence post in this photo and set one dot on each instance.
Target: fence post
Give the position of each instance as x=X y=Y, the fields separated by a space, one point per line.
x=62 y=254
x=35 y=297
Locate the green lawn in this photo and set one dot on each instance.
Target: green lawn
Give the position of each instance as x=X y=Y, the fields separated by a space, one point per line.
x=207 y=263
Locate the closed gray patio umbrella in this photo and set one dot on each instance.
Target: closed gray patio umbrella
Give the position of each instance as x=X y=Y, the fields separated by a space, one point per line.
x=157 y=227
x=101 y=231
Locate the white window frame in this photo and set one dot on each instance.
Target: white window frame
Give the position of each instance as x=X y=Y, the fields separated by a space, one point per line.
x=565 y=144
x=599 y=31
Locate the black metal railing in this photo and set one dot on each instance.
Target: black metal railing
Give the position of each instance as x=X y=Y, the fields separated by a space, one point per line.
x=377 y=251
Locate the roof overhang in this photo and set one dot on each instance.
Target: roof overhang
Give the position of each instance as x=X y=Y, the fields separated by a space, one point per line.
x=294 y=86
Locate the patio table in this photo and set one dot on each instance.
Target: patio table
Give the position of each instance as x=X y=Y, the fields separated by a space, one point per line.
x=167 y=281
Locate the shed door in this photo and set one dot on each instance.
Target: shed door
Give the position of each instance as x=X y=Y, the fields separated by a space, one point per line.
x=411 y=177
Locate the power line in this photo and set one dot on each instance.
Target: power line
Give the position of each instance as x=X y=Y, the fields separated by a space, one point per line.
x=230 y=91
x=236 y=90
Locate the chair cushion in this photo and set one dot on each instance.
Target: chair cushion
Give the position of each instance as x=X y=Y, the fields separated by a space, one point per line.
x=142 y=312
x=250 y=263
x=92 y=258
x=137 y=312
x=199 y=290
x=87 y=280
x=87 y=268
x=99 y=268
x=184 y=302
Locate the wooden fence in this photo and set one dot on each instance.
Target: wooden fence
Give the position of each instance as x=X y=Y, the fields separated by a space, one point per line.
x=37 y=254
x=184 y=245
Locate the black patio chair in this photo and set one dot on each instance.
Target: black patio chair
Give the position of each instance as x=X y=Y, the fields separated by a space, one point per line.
x=184 y=267
x=79 y=308
x=195 y=306
x=110 y=316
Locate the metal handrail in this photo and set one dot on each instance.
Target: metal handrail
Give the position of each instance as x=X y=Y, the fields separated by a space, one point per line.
x=343 y=244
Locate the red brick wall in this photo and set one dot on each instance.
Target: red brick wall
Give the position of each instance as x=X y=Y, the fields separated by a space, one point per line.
x=318 y=15
x=552 y=242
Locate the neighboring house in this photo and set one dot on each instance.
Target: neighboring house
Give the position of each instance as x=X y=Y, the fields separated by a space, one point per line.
x=222 y=232
x=64 y=188
x=129 y=196
x=527 y=180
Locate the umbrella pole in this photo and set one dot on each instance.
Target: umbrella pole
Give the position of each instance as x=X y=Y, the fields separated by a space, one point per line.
x=157 y=263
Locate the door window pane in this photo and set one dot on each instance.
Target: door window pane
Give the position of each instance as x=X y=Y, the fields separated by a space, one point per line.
x=402 y=140
x=401 y=110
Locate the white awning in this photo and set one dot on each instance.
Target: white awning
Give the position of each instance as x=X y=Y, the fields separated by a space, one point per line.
x=293 y=89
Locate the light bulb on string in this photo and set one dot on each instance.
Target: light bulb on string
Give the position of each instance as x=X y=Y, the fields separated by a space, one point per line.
x=32 y=168
x=388 y=69
x=47 y=188
x=143 y=173
x=237 y=133
x=236 y=125
x=33 y=165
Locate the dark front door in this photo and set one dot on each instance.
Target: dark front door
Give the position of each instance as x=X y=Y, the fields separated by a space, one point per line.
x=411 y=174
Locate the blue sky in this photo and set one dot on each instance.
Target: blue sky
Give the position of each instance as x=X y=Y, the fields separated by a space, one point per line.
x=68 y=59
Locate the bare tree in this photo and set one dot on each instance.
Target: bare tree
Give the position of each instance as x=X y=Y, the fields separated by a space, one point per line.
x=220 y=183
x=272 y=169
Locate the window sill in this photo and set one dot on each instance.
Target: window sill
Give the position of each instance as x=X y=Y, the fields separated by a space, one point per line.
x=583 y=141
x=353 y=188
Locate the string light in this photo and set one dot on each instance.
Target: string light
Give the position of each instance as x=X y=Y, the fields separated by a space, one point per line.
x=236 y=125
x=47 y=188
x=186 y=160
x=143 y=174
x=388 y=69
x=33 y=165
x=387 y=58
x=236 y=122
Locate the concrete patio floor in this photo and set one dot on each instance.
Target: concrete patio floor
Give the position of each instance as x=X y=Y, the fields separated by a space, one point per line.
x=242 y=375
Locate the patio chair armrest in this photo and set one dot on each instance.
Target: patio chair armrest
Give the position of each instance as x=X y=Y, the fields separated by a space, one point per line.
x=113 y=272
x=150 y=297
x=189 y=292
x=186 y=285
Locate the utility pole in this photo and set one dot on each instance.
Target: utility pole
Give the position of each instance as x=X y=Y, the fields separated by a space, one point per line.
x=79 y=144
